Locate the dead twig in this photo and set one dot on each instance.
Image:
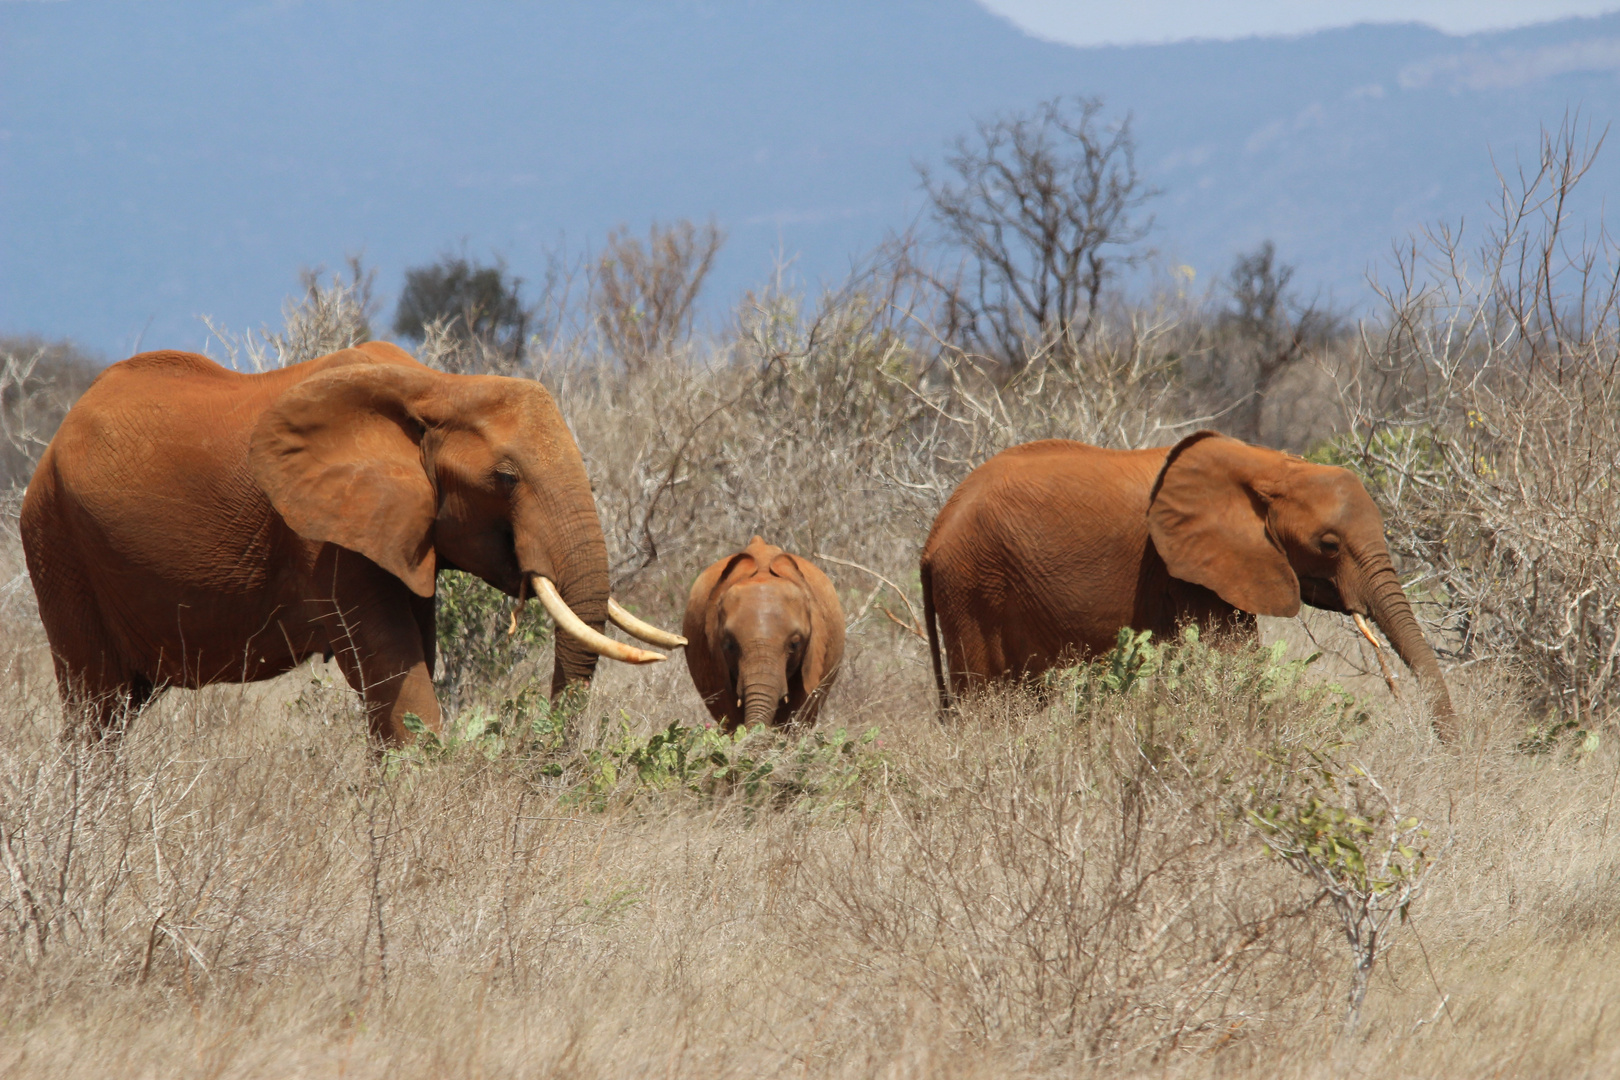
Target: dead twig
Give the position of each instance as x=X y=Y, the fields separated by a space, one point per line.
x=915 y=624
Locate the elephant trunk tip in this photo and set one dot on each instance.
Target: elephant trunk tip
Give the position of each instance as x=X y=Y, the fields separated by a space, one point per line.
x=1443 y=715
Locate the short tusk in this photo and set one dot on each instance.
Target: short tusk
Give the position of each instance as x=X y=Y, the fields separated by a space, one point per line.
x=1366 y=631
x=1378 y=651
x=645 y=631
x=523 y=585
x=572 y=625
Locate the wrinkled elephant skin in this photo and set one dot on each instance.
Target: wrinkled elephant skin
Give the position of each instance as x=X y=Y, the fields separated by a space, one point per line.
x=1046 y=550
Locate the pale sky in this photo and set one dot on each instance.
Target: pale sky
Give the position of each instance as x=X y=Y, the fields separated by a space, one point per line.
x=1110 y=22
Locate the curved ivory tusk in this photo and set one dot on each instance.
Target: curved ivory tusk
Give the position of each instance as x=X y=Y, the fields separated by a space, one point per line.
x=1366 y=631
x=572 y=625
x=645 y=631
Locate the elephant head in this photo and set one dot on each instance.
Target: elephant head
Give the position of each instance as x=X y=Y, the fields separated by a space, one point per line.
x=419 y=470
x=1265 y=530
x=772 y=635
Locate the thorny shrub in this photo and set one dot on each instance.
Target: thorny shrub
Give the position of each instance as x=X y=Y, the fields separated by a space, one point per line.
x=39 y=381
x=1339 y=827
x=1487 y=427
x=327 y=317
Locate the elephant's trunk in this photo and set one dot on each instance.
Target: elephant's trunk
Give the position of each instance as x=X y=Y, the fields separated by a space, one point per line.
x=1392 y=611
x=579 y=557
x=762 y=686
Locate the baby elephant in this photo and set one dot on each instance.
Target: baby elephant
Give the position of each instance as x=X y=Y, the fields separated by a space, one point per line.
x=767 y=635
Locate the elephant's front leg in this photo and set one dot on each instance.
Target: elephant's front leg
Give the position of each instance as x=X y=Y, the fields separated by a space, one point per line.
x=375 y=628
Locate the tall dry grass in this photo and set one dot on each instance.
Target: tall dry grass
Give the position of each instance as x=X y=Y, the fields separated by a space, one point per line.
x=240 y=890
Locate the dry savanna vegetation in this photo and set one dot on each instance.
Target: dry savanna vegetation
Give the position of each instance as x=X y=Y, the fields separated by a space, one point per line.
x=1176 y=861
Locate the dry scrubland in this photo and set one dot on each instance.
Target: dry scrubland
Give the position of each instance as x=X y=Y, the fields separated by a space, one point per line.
x=1069 y=883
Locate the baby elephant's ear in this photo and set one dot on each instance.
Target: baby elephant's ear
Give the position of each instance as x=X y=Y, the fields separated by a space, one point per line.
x=1208 y=520
x=826 y=625
x=340 y=456
x=701 y=628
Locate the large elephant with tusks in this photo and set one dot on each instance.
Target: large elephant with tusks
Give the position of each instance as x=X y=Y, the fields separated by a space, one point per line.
x=191 y=525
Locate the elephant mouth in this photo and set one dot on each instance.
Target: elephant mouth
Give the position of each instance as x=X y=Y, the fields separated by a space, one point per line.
x=1322 y=593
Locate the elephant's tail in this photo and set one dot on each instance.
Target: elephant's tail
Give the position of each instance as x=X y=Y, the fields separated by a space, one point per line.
x=930 y=621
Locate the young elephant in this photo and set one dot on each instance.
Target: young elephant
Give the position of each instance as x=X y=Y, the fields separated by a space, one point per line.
x=767 y=635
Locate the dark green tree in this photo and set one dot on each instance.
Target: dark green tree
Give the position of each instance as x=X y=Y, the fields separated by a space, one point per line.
x=470 y=300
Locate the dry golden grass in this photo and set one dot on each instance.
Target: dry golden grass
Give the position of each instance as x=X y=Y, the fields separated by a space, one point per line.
x=241 y=891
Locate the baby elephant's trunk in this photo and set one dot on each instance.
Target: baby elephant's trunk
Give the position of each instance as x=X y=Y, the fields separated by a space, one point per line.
x=761 y=687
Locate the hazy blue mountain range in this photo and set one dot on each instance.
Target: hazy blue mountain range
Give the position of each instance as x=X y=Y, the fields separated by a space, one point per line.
x=162 y=160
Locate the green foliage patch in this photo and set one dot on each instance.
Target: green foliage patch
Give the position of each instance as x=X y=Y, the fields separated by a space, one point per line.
x=1334 y=819
x=827 y=770
x=1338 y=827
x=476 y=652
x=757 y=765
x=1188 y=678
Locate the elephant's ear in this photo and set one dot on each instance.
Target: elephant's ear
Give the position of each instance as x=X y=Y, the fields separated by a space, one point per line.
x=1207 y=517
x=727 y=572
x=340 y=456
x=701 y=628
x=826 y=650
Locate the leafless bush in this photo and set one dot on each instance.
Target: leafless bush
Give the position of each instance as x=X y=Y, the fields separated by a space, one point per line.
x=1043 y=207
x=1488 y=424
x=39 y=381
x=1257 y=359
x=644 y=296
x=326 y=318
x=838 y=425
x=443 y=348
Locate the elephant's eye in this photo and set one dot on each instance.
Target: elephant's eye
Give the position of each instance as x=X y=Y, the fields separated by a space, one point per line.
x=730 y=645
x=506 y=476
x=1329 y=544
x=795 y=643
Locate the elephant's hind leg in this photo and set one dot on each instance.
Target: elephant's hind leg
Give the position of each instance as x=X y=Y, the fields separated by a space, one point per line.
x=98 y=708
x=100 y=694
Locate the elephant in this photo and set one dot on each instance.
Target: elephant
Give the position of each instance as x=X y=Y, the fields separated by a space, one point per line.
x=189 y=524
x=767 y=636
x=1048 y=549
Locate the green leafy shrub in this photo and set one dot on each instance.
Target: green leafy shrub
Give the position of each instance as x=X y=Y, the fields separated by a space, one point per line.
x=527 y=723
x=1548 y=736
x=757 y=764
x=476 y=654
x=1339 y=827
x=1269 y=689
x=1383 y=458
